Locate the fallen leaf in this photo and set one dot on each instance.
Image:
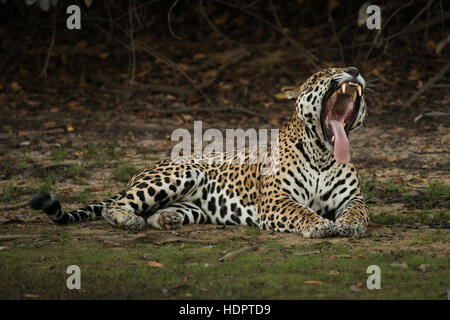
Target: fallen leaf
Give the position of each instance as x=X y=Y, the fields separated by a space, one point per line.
x=109 y=243
x=31 y=103
x=244 y=82
x=154 y=264
x=103 y=55
x=70 y=128
x=57 y=130
x=15 y=86
x=402 y=265
x=424 y=267
x=267 y=104
x=280 y=96
x=199 y=56
x=390 y=159
x=413 y=75
x=355 y=288
x=66 y=191
x=48 y=267
x=361 y=256
x=313 y=282
x=31 y=296
x=183 y=66
x=425 y=147
x=334 y=273
x=334 y=257
x=49 y=124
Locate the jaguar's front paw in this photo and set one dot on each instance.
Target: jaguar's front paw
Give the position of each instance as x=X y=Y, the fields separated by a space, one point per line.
x=349 y=230
x=323 y=229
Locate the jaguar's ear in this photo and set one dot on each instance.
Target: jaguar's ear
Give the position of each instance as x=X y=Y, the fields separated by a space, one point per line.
x=291 y=92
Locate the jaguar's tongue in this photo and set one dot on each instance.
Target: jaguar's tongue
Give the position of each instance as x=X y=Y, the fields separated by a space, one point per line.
x=341 y=144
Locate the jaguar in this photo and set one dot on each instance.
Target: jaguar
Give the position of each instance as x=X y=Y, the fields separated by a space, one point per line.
x=311 y=187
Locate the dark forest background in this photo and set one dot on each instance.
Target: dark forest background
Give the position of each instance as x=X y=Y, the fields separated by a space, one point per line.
x=167 y=58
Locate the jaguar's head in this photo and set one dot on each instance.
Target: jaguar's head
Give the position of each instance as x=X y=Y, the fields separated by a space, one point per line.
x=331 y=104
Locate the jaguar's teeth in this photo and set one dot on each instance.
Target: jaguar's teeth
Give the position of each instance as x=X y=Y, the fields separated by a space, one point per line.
x=354 y=95
x=359 y=88
x=332 y=139
x=344 y=85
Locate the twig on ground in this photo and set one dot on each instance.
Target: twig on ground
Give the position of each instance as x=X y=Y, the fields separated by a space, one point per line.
x=19 y=236
x=238 y=252
x=427 y=85
x=220 y=227
x=52 y=165
x=14 y=205
x=431 y=114
x=308 y=253
x=162 y=238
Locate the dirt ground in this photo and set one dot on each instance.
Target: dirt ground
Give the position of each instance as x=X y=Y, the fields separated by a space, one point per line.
x=405 y=153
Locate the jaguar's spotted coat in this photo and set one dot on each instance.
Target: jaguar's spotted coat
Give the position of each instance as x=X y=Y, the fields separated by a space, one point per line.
x=313 y=191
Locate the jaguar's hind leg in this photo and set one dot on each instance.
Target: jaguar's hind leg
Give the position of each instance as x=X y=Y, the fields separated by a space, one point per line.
x=122 y=218
x=177 y=214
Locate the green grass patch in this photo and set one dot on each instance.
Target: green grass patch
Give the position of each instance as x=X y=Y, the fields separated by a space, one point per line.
x=435 y=192
x=192 y=271
x=11 y=192
x=386 y=190
x=60 y=154
x=123 y=171
x=84 y=196
x=430 y=217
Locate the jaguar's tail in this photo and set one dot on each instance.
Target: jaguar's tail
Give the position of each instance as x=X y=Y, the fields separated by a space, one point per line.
x=54 y=210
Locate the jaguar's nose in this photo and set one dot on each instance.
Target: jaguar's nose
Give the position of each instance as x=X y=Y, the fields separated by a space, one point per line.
x=354 y=72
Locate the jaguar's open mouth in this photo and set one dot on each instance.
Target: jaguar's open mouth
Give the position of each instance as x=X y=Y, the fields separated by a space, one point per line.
x=340 y=107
